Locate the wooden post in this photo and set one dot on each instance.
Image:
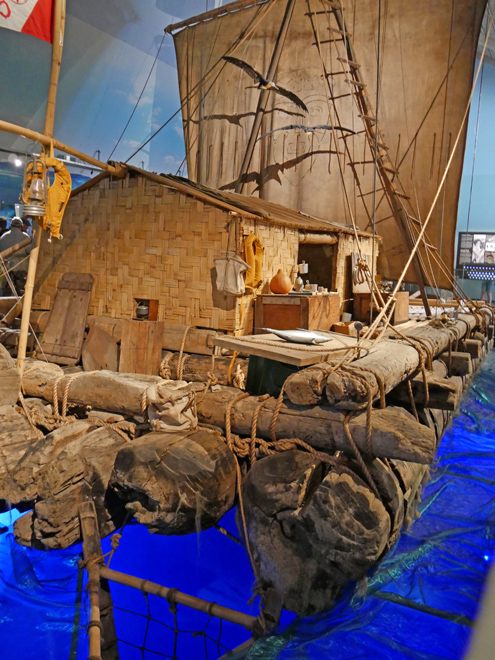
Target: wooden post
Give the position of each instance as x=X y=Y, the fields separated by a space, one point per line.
x=260 y=110
x=92 y=551
x=58 y=42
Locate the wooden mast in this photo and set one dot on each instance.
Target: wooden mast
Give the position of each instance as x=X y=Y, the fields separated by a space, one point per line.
x=260 y=110
x=58 y=40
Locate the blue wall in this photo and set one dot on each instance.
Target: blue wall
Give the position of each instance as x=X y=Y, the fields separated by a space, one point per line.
x=476 y=210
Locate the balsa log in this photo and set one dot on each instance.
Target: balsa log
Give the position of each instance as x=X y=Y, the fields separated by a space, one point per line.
x=80 y=471
x=10 y=380
x=443 y=393
x=176 y=483
x=312 y=529
x=16 y=437
x=198 y=367
x=458 y=364
x=396 y=434
x=108 y=390
x=471 y=346
x=391 y=361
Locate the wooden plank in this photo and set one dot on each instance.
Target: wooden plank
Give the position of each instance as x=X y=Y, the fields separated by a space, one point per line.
x=100 y=351
x=298 y=355
x=141 y=347
x=63 y=336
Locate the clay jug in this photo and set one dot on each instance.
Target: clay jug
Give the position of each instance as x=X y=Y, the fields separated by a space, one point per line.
x=280 y=282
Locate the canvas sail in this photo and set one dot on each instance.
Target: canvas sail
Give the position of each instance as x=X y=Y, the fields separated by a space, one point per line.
x=427 y=55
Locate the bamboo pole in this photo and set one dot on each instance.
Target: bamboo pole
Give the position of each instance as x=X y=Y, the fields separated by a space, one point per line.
x=92 y=555
x=47 y=141
x=27 y=301
x=175 y=596
x=58 y=42
x=15 y=248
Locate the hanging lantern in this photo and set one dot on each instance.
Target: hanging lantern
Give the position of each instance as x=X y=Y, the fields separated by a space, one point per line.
x=34 y=188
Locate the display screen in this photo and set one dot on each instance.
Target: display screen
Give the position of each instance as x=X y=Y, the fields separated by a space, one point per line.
x=475 y=248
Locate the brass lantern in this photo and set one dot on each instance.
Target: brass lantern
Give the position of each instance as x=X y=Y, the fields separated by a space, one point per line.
x=35 y=188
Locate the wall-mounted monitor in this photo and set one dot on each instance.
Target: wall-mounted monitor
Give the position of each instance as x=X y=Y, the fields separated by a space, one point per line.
x=476 y=255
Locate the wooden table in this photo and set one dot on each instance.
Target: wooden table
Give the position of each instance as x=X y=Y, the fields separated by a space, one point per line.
x=272 y=362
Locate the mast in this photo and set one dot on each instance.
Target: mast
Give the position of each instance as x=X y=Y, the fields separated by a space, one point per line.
x=58 y=40
x=260 y=110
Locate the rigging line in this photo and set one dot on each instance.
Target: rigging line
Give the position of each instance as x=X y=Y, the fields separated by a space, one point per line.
x=380 y=316
x=430 y=107
x=375 y=171
x=475 y=148
x=446 y=125
x=264 y=9
x=139 y=98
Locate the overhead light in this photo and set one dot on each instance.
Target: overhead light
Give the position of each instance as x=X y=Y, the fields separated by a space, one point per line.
x=17 y=162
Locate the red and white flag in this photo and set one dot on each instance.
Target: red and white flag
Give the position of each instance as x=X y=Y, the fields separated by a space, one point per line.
x=28 y=16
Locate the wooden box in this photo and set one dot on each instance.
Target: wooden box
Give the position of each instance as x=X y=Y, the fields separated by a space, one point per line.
x=288 y=312
x=362 y=307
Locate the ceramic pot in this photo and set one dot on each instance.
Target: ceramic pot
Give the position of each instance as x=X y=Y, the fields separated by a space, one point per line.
x=280 y=282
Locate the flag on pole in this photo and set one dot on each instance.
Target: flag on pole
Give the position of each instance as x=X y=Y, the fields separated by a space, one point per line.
x=28 y=16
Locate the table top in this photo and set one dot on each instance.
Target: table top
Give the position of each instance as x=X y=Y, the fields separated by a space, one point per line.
x=300 y=355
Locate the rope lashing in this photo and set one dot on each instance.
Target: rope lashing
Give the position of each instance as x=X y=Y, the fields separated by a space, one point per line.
x=181 y=360
x=359 y=458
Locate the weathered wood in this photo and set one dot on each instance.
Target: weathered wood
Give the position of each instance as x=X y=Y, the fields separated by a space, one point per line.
x=21 y=486
x=63 y=336
x=443 y=393
x=389 y=361
x=100 y=351
x=460 y=364
x=198 y=340
x=10 y=380
x=197 y=367
x=113 y=392
x=16 y=437
x=312 y=528
x=471 y=346
x=311 y=532
x=396 y=434
x=140 y=349
x=79 y=472
x=176 y=483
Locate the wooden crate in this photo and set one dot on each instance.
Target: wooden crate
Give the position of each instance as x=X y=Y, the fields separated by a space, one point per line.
x=287 y=312
x=362 y=301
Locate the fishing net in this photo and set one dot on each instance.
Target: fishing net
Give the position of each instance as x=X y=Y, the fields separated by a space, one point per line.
x=421 y=601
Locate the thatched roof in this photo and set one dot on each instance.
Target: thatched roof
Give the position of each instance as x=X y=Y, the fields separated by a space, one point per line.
x=251 y=207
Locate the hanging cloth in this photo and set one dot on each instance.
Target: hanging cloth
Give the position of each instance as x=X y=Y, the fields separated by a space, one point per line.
x=230 y=268
x=255 y=253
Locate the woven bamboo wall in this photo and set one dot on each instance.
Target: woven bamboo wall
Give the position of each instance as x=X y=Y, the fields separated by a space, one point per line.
x=142 y=240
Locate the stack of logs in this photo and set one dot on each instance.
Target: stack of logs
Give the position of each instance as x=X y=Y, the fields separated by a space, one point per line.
x=314 y=519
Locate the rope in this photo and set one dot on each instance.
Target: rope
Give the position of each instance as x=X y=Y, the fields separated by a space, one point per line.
x=231 y=365
x=411 y=399
x=181 y=360
x=122 y=428
x=30 y=417
x=165 y=371
x=359 y=458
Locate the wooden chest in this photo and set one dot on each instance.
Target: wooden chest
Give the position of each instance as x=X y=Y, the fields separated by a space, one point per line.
x=362 y=307
x=288 y=312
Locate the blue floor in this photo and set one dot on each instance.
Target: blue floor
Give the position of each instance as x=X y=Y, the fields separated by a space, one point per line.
x=420 y=602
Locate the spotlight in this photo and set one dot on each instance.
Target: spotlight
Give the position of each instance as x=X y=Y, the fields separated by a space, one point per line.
x=17 y=162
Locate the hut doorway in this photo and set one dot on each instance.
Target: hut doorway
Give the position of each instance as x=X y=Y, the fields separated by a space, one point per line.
x=321 y=264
